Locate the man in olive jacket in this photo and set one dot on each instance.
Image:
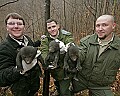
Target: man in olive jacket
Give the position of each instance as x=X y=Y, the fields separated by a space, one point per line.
x=100 y=59
x=55 y=33
x=20 y=84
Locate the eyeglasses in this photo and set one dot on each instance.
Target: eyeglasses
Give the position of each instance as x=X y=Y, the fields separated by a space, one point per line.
x=13 y=23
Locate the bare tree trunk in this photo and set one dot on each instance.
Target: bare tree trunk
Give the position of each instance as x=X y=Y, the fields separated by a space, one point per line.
x=64 y=12
x=47 y=12
x=46 y=79
x=104 y=7
x=95 y=16
x=114 y=7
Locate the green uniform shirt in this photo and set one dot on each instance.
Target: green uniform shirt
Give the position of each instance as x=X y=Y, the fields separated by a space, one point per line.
x=65 y=37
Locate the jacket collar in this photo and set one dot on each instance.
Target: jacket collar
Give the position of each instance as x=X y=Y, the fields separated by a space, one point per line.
x=24 y=43
x=13 y=42
x=114 y=44
x=59 y=37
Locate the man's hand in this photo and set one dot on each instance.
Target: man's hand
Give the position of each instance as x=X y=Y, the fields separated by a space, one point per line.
x=62 y=46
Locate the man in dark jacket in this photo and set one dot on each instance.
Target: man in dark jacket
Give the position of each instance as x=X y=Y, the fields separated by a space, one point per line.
x=21 y=85
x=100 y=59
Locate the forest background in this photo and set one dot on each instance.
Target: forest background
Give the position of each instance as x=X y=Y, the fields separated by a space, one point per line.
x=76 y=16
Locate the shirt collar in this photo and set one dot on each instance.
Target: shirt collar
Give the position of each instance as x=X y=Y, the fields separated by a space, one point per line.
x=21 y=43
x=104 y=43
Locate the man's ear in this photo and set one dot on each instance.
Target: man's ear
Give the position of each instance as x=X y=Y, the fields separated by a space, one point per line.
x=24 y=29
x=114 y=25
x=36 y=48
x=58 y=26
x=6 y=28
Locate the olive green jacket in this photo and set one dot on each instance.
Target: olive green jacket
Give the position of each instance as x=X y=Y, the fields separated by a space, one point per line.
x=100 y=70
x=65 y=37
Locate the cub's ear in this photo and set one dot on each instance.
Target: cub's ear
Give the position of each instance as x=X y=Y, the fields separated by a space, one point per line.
x=37 y=43
x=72 y=44
x=36 y=48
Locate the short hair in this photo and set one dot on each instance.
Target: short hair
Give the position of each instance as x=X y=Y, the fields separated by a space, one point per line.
x=51 y=20
x=110 y=17
x=14 y=16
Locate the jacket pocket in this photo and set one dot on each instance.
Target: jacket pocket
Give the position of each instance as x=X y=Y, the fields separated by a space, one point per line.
x=103 y=78
x=110 y=76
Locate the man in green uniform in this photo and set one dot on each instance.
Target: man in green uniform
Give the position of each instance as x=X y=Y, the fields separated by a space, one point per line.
x=100 y=59
x=55 y=33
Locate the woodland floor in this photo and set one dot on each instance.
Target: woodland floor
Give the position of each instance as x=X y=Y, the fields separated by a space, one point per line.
x=115 y=88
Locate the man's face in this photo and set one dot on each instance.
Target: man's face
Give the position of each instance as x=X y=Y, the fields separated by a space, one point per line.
x=104 y=28
x=53 y=28
x=15 y=27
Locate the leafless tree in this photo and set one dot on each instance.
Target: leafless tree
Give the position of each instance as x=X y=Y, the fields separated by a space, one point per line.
x=8 y=3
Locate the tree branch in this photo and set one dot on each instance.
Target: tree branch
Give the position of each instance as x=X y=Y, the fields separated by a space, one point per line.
x=8 y=3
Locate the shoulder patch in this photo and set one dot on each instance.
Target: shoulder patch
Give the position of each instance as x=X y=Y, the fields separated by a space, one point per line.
x=65 y=32
x=43 y=36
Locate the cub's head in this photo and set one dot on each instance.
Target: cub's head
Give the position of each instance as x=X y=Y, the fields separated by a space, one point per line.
x=54 y=46
x=73 y=52
x=28 y=53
